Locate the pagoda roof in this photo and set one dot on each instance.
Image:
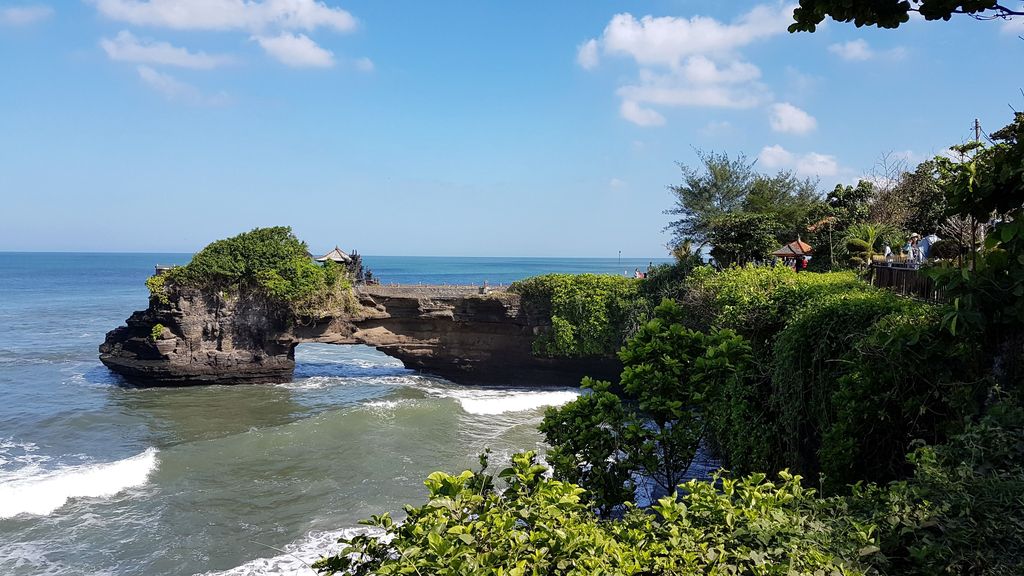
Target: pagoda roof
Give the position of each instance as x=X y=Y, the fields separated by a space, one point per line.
x=795 y=248
x=336 y=255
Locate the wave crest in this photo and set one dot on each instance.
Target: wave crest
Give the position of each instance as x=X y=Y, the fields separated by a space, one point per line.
x=31 y=490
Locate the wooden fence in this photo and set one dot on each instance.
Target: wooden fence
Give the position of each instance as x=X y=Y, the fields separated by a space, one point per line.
x=906 y=281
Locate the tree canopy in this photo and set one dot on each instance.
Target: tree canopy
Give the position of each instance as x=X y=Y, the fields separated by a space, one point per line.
x=269 y=261
x=892 y=13
x=741 y=214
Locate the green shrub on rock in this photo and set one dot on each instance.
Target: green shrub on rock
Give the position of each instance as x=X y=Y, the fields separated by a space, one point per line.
x=270 y=262
x=591 y=314
x=158 y=288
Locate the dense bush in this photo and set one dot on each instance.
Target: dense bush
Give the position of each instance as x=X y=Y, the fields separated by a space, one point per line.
x=604 y=441
x=757 y=301
x=540 y=526
x=594 y=443
x=666 y=280
x=270 y=261
x=944 y=250
x=591 y=314
x=857 y=377
x=959 y=512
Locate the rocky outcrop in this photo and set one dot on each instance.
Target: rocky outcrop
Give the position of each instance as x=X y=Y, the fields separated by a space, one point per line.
x=455 y=333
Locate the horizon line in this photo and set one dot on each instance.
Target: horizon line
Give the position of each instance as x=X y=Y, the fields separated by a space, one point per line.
x=140 y=252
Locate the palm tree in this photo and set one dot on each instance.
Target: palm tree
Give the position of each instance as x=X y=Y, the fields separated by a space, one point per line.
x=863 y=242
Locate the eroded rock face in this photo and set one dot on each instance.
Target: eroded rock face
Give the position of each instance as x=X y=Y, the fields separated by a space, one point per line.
x=455 y=333
x=207 y=338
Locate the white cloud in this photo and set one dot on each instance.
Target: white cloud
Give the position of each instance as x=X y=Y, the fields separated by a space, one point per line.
x=639 y=115
x=251 y=15
x=586 y=55
x=717 y=128
x=853 y=50
x=788 y=118
x=664 y=92
x=909 y=156
x=24 y=15
x=858 y=51
x=700 y=83
x=808 y=164
x=667 y=40
x=364 y=64
x=126 y=47
x=686 y=61
x=1013 y=26
x=175 y=90
x=775 y=157
x=616 y=184
x=296 y=50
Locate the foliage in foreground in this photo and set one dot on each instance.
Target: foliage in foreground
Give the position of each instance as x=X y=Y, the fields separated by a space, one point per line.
x=591 y=314
x=960 y=512
x=538 y=525
x=987 y=185
x=268 y=261
x=892 y=13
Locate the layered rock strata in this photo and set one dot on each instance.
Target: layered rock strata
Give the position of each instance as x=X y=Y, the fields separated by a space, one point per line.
x=456 y=333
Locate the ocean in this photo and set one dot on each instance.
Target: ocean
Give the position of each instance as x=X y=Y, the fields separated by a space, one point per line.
x=101 y=478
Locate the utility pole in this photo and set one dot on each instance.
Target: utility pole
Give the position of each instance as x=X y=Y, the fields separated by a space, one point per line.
x=977 y=130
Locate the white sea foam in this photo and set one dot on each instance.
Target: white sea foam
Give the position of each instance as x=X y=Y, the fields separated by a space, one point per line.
x=483 y=402
x=33 y=490
x=385 y=404
x=516 y=401
x=296 y=557
x=312 y=383
x=20 y=453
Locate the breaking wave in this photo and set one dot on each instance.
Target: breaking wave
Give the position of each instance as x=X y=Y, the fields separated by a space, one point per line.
x=295 y=558
x=33 y=490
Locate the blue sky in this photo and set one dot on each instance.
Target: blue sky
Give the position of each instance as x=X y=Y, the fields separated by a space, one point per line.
x=450 y=128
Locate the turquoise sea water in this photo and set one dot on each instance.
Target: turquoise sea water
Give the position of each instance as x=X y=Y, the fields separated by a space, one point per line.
x=100 y=478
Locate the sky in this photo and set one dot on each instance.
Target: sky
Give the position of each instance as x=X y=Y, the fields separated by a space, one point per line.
x=451 y=128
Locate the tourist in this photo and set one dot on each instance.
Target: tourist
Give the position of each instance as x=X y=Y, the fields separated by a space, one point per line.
x=926 y=245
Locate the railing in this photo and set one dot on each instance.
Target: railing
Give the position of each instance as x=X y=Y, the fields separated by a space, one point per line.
x=906 y=281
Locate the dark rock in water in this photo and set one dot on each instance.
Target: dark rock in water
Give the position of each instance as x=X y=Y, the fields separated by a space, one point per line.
x=456 y=333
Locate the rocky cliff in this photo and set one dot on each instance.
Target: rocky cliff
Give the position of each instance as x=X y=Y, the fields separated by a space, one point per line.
x=209 y=338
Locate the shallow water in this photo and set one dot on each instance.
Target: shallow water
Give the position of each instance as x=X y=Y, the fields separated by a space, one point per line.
x=100 y=478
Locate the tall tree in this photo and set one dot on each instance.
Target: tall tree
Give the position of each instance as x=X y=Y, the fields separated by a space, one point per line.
x=927 y=202
x=720 y=188
x=788 y=199
x=743 y=237
x=892 y=13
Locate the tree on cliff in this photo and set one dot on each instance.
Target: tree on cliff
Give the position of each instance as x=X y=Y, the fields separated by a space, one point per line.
x=703 y=196
x=893 y=13
x=743 y=215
